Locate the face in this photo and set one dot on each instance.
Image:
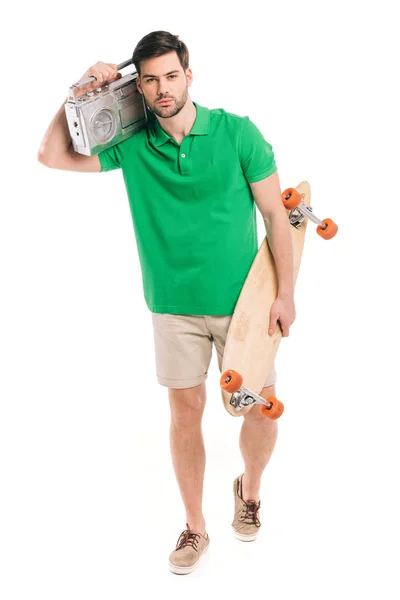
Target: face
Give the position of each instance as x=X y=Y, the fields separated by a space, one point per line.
x=163 y=78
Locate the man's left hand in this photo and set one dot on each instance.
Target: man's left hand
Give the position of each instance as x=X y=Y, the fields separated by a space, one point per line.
x=282 y=310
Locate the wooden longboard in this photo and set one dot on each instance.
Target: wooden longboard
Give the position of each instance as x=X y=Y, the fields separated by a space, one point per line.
x=249 y=349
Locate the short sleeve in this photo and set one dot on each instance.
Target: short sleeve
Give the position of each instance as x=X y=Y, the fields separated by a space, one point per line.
x=256 y=154
x=112 y=158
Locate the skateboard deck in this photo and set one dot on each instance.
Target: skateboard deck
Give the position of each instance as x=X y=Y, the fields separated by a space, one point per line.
x=249 y=349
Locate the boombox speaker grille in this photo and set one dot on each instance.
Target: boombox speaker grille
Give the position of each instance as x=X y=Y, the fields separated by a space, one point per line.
x=103 y=125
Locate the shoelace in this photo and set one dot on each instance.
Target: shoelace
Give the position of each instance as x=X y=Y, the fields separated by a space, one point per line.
x=251 y=513
x=187 y=538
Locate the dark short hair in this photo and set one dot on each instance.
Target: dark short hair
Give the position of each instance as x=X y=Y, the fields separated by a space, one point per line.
x=158 y=43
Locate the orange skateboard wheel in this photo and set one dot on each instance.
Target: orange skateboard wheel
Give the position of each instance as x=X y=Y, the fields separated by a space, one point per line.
x=291 y=198
x=231 y=381
x=330 y=230
x=276 y=409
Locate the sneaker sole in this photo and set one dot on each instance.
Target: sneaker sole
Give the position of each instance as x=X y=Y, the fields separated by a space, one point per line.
x=185 y=570
x=244 y=538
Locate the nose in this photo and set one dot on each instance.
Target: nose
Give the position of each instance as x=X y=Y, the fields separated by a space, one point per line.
x=163 y=87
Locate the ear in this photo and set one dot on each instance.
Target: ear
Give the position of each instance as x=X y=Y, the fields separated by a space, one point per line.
x=139 y=87
x=189 y=76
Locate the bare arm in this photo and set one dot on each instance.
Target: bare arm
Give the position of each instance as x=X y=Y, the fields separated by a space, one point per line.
x=56 y=150
x=267 y=195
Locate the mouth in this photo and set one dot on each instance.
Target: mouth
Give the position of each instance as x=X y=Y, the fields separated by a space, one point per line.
x=164 y=101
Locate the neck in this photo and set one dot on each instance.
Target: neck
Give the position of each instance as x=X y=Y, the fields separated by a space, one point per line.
x=180 y=125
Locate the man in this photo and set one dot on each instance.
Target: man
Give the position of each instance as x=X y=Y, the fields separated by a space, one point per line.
x=193 y=176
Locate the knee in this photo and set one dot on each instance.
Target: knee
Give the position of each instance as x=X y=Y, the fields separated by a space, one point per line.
x=255 y=414
x=257 y=421
x=187 y=405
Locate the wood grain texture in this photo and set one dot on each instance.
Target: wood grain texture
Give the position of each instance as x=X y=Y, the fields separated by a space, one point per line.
x=249 y=349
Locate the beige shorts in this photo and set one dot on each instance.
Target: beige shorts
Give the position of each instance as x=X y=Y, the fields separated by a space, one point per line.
x=183 y=348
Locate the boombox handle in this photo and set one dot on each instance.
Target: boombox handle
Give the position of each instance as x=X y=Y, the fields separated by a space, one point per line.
x=71 y=91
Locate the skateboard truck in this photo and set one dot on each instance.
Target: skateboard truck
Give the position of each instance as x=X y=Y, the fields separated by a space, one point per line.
x=242 y=396
x=293 y=201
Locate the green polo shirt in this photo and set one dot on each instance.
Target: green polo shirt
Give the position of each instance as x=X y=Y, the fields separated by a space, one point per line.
x=193 y=212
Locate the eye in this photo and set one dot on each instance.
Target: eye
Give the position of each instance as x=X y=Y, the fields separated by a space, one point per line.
x=152 y=78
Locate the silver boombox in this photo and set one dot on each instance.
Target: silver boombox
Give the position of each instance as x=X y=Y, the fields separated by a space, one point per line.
x=107 y=115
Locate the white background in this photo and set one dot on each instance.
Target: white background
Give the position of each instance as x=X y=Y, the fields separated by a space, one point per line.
x=90 y=507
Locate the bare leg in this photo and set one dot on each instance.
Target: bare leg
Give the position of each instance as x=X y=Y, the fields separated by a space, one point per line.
x=257 y=440
x=187 y=449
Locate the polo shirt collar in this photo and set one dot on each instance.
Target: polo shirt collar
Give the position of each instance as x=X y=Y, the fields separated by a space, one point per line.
x=200 y=126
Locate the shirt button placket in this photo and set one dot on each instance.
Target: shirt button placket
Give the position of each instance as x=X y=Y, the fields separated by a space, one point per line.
x=183 y=160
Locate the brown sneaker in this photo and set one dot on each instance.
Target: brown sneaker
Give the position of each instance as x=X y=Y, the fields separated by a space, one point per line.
x=246 y=523
x=189 y=549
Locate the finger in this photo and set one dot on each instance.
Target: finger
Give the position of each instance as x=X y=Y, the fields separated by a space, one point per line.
x=113 y=74
x=108 y=74
x=272 y=324
x=115 y=77
x=98 y=75
x=116 y=73
x=284 y=329
x=111 y=70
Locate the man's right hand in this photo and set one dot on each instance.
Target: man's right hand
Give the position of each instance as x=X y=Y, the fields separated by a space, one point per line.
x=104 y=73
